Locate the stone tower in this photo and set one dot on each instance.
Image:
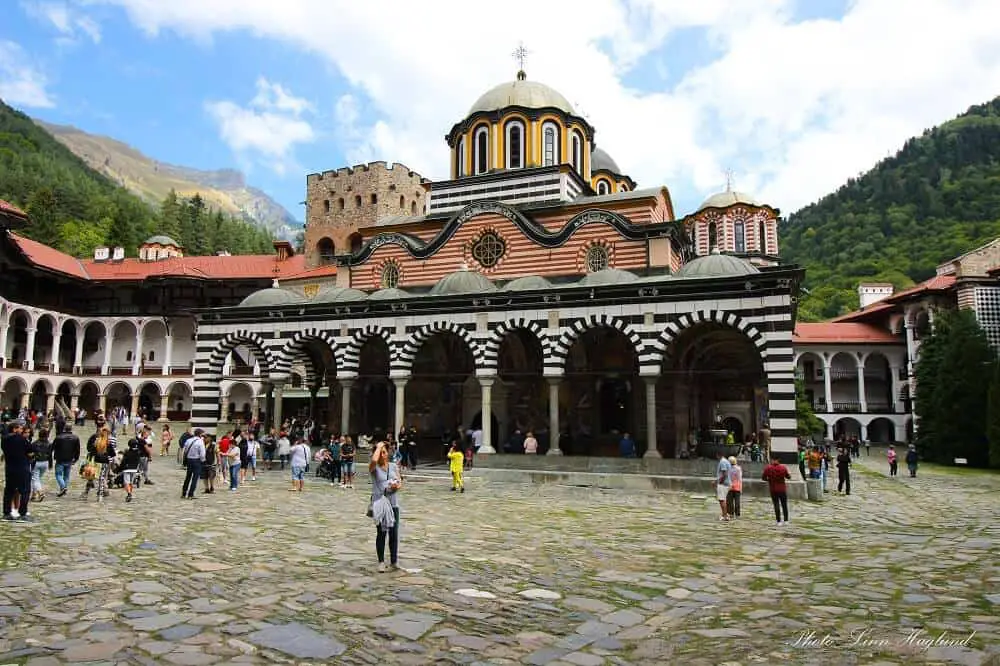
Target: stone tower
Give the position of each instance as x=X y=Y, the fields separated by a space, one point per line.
x=339 y=203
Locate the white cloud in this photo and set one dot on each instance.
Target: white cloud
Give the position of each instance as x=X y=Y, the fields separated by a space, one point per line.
x=268 y=129
x=21 y=82
x=69 y=21
x=793 y=108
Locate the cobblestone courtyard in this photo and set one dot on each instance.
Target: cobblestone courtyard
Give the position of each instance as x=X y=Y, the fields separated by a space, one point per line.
x=505 y=574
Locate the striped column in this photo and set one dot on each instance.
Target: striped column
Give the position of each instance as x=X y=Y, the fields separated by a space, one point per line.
x=207 y=398
x=780 y=371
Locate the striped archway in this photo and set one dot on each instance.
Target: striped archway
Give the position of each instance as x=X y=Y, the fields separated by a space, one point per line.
x=661 y=348
x=295 y=350
x=232 y=340
x=491 y=347
x=351 y=356
x=404 y=362
x=555 y=363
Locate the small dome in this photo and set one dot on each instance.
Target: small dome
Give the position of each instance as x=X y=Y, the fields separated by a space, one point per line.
x=271 y=297
x=527 y=283
x=606 y=277
x=462 y=282
x=716 y=265
x=389 y=294
x=161 y=240
x=333 y=294
x=600 y=160
x=529 y=94
x=728 y=198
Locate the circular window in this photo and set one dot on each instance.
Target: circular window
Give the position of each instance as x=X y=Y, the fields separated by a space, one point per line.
x=390 y=275
x=489 y=249
x=597 y=258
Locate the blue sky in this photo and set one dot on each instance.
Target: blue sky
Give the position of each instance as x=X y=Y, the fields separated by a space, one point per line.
x=793 y=96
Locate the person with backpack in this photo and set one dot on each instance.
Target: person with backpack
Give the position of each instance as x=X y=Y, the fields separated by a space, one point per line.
x=911 y=461
x=129 y=467
x=66 y=452
x=41 y=461
x=253 y=450
x=208 y=471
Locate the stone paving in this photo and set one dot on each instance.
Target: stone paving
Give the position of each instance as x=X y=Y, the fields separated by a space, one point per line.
x=505 y=574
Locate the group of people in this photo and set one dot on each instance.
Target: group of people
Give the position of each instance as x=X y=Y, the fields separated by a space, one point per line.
x=729 y=488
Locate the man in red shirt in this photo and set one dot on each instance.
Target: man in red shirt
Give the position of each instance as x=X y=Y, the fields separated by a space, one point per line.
x=224 y=444
x=776 y=474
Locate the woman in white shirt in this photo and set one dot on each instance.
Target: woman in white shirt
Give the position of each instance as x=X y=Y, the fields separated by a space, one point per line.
x=284 y=448
x=300 y=460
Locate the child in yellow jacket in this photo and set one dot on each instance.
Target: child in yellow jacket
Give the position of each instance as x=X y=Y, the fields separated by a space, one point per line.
x=456 y=460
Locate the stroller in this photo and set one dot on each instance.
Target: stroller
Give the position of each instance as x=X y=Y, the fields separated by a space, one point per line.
x=324 y=469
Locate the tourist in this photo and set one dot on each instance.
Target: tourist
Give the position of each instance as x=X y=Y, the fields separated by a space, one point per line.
x=222 y=448
x=243 y=444
x=868 y=447
x=411 y=446
x=66 y=453
x=814 y=460
x=735 y=488
x=129 y=467
x=253 y=450
x=386 y=483
x=181 y=442
x=232 y=461
x=334 y=449
x=209 y=470
x=404 y=452
x=722 y=485
x=824 y=465
x=101 y=451
x=270 y=445
x=530 y=444
x=300 y=463
x=456 y=461
x=891 y=456
x=476 y=442
x=41 y=461
x=347 y=463
x=844 y=472
x=17 y=474
x=166 y=437
x=911 y=460
x=776 y=474
x=194 y=458
x=145 y=438
x=284 y=448
x=626 y=446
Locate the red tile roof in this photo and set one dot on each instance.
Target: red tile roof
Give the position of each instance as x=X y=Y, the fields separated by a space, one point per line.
x=248 y=266
x=881 y=306
x=936 y=283
x=842 y=333
x=7 y=208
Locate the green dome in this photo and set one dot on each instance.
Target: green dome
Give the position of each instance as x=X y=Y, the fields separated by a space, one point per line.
x=607 y=277
x=332 y=294
x=271 y=297
x=728 y=198
x=161 y=240
x=389 y=294
x=521 y=92
x=527 y=283
x=462 y=282
x=716 y=265
x=601 y=161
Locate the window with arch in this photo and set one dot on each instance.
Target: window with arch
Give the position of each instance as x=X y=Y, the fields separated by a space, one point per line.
x=413 y=208
x=374 y=199
x=152 y=355
x=489 y=249
x=326 y=250
x=550 y=144
x=390 y=275
x=515 y=144
x=762 y=237
x=357 y=201
x=713 y=236
x=577 y=152
x=460 y=158
x=402 y=201
x=326 y=205
x=482 y=141
x=603 y=187
x=340 y=203
x=740 y=236
x=128 y=357
x=597 y=258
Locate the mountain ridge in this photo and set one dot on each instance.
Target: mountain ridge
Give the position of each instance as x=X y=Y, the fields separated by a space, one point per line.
x=225 y=189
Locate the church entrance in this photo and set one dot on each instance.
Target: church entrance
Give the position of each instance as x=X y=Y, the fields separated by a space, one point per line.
x=442 y=394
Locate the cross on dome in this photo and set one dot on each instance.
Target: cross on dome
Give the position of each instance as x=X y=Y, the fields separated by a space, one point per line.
x=729 y=180
x=520 y=54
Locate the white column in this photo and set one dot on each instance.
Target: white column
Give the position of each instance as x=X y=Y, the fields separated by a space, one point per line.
x=255 y=406
x=4 y=328
x=861 y=387
x=50 y=403
x=864 y=433
x=910 y=347
x=103 y=404
x=78 y=352
x=894 y=404
x=227 y=365
x=652 y=451
x=400 y=401
x=109 y=339
x=224 y=409
x=56 y=343
x=29 y=350
x=135 y=402
x=74 y=403
x=345 y=404
x=256 y=368
x=168 y=353
x=278 y=397
x=827 y=389
x=554 y=430
x=486 y=383
x=25 y=400
x=137 y=353
x=164 y=406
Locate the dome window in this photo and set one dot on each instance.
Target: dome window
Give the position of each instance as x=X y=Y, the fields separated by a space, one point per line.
x=390 y=275
x=482 y=140
x=603 y=187
x=515 y=144
x=578 y=153
x=489 y=249
x=550 y=155
x=460 y=158
x=740 y=234
x=597 y=258
x=762 y=237
x=713 y=235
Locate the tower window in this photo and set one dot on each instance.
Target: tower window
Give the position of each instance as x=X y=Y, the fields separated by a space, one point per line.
x=413 y=208
x=326 y=205
x=340 y=203
x=550 y=145
x=460 y=158
x=762 y=237
x=739 y=231
x=374 y=199
x=515 y=145
x=713 y=236
x=326 y=250
x=597 y=258
x=357 y=201
x=482 y=149
x=603 y=187
x=578 y=153
x=402 y=201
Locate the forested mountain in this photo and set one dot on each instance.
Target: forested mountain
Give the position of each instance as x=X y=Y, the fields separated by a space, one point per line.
x=935 y=199
x=75 y=209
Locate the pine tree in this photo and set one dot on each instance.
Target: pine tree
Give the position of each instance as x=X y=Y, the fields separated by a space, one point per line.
x=993 y=418
x=44 y=214
x=170 y=217
x=807 y=421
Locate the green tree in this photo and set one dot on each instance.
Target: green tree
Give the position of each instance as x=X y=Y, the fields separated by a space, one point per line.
x=43 y=209
x=80 y=238
x=951 y=405
x=170 y=217
x=807 y=421
x=993 y=418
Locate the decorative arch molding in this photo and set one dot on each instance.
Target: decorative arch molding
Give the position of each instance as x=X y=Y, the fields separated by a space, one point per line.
x=352 y=351
x=233 y=340
x=46 y=385
x=19 y=382
x=537 y=233
x=491 y=347
x=578 y=328
x=413 y=344
x=288 y=353
x=662 y=346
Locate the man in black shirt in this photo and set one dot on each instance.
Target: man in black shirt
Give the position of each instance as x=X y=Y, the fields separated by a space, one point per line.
x=66 y=451
x=17 y=473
